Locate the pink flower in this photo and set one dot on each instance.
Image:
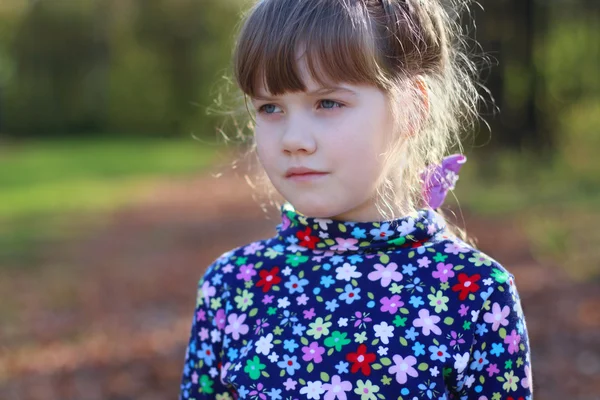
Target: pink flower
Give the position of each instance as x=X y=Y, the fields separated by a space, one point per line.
x=208 y=292
x=427 y=322
x=246 y=272
x=527 y=382
x=497 y=317
x=403 y=367
x=337 y=388
x=220 y=318
x=444 y=271
x=424 y=262
x=236 y=325
x=492 y=369
x=345 y=244
x=463 y=310
x=313 y=352
x=391 y=305
x=513 y=341
x=455 y=248
x=387 y=274
x=252 y=248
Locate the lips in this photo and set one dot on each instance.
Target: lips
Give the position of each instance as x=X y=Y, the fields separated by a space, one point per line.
x=303 y=171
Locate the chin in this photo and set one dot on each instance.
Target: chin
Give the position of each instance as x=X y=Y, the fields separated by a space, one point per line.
x=314 y=208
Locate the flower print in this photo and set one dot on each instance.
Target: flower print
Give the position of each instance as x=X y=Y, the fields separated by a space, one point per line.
x=254 y=367
x=411 y=333
x=497 y=349
x=463 y=310
x=403 y=368
x=416 y=301
x=381 y=233
x=428 y=388
x=438 y=301
x=479 y=360
x=361 y=360
x=455 y=248
x=427 y=322
x=439 y=353
x=386 y=274
x=252 y=248
x=497 y=317
x=350 y=294
x=510 y=381
x=492 y=370
x=331 y=305
x=366 y=390
x=408 y=269
x=460 y=362
x=313 y=352
x=456 y=339
x=466 y=285
x=296 y=285
x=306 y=240
x=480 y=259
x=236 y=325
x=359 y=233
x=391 y=304
x=337 y=340
x=418 y=349
x=290 y=345
x=288 y=318
x=384 y=332
x=327 y=281
x=268 y=279
x=347 y=272
x=295 y=259
x=289 y=363
x=424 y=262
x=318 y=328
x=513 y=341
x=415 y=284
x=207 y=292
x=345 y=244
x=246 y=273
x=527 y=382
x=360 y=337
x=290 y=384
x=264 y=345
x=313 y=390
x=443 y=272
x=206 y=383
x=361 y=319
x=406 y=227
x=207 y=354
x=244 y=300
x=499 y=276
x=336 y=389
x=220 y=319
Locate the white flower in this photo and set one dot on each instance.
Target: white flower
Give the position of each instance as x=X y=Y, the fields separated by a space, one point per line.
x=313 y=390
x=406 y=227
x=283 y=303
x=347 y=272
x=384 y=331
x=342 y=322
x=286 y=271
x=382 y=351
x=274 y=357
x=264 y=345
x=215 y=336
x=434 y=371
x=460 y=362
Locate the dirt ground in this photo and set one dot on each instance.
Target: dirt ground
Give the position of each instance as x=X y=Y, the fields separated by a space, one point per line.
x=106 y=316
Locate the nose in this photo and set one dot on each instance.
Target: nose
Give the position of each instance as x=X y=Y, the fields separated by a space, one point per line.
x=298 y=138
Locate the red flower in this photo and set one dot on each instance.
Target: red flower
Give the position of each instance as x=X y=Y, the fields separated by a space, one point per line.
x=268 y=279
x=361 y=360
x=467 y=285
x=306 y=240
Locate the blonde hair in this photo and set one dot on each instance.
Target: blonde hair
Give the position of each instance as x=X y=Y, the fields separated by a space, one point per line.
x=391 y=44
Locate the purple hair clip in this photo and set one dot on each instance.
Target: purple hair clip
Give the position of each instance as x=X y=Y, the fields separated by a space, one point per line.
x=439 y=179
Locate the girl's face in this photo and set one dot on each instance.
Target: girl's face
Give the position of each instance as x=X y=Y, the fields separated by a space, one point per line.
x=340 y=132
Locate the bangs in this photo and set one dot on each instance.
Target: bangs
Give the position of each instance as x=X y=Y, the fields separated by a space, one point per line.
x=333 y=37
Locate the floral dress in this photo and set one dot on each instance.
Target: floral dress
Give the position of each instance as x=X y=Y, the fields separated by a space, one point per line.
x=329 y=310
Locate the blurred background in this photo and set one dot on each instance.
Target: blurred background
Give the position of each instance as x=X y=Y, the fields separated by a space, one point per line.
x=116 y=191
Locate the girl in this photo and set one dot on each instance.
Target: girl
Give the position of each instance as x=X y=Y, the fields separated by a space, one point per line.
x=364 y=292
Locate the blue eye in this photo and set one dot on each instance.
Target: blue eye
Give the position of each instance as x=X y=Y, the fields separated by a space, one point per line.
x=268 y=108
x=327 y=103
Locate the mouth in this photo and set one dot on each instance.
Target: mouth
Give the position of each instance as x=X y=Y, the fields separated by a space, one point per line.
x=306 y=176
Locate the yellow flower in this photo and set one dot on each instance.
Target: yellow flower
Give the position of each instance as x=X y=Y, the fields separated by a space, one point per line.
x=511 y=380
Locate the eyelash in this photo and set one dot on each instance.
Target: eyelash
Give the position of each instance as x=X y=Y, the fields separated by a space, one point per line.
x=337 y=105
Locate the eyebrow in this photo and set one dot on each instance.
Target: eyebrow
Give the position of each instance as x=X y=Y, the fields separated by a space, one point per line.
x=318 y=92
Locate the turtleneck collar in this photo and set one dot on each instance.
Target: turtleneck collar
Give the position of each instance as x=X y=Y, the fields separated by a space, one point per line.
x=333 y=236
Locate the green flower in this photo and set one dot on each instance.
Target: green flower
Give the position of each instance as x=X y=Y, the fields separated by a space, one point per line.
x=253 y=367
x=399 y=321
x=337 y=340
x=438 y=301
x=241 y=261
x=499 y=276
x=510 y=383
x=439 y=257
x=318 y=328
x=360 y=337
x=272 y=310
x=480 y=259
x=366 y=390
x=395 y=288
x=271 y=253
x=295 y=259
x=206 y=384
x=244 y=300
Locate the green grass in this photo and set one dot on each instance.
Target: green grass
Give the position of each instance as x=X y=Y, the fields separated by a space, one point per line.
x=47 y=185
